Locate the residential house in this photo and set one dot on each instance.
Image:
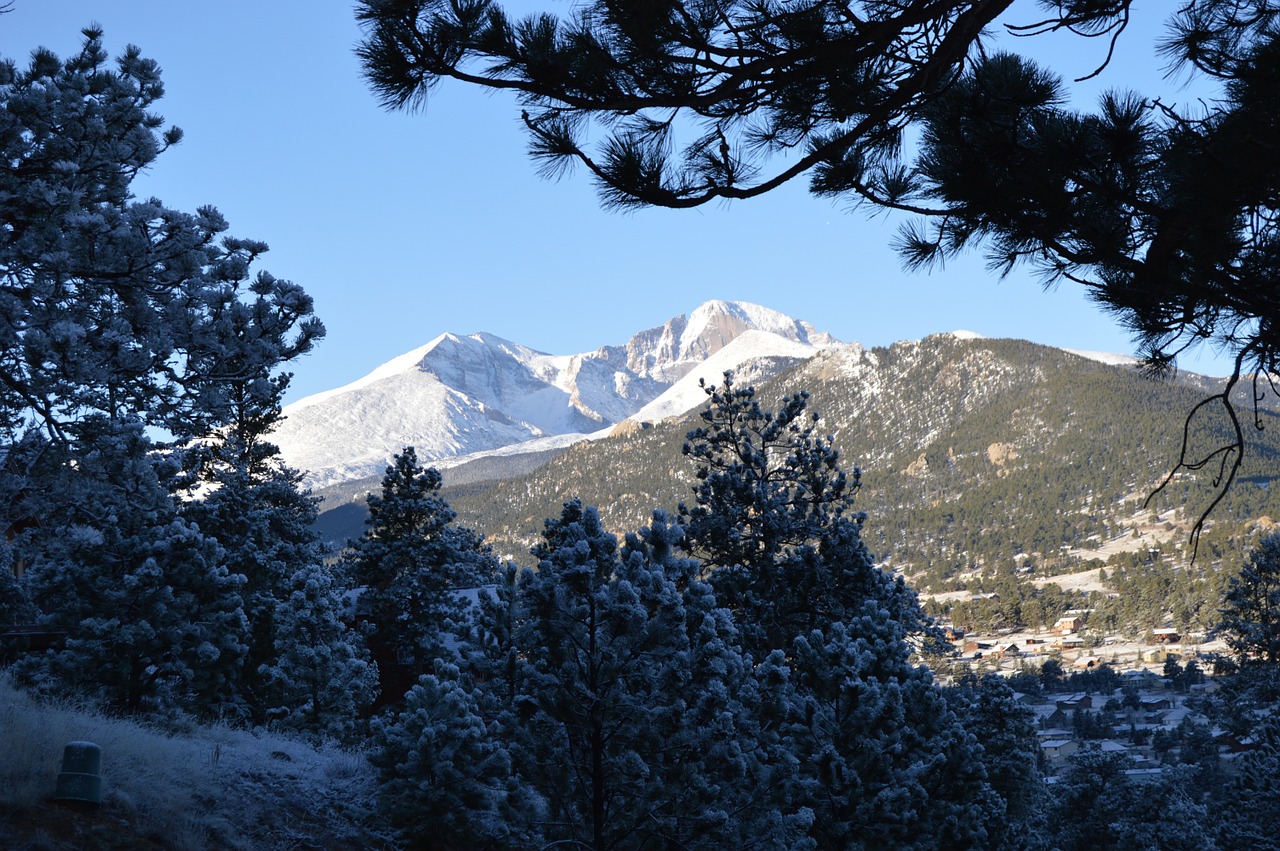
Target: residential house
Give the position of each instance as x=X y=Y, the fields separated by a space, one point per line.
x=1049 y=717
x=1067 y=625
x=1057 y=751
x=1072 y=702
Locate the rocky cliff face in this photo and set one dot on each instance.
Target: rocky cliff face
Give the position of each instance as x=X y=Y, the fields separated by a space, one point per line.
x=668 y=353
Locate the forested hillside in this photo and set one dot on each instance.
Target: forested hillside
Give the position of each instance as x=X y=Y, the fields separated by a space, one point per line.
x=978 y=458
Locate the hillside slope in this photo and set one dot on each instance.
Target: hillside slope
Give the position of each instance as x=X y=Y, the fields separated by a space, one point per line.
x=199 y=787
x=974 y=453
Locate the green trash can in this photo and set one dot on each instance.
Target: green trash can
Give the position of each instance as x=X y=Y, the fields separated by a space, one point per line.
x=80 y=780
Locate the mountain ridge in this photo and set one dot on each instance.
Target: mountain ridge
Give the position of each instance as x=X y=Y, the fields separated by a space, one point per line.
x=459 y=395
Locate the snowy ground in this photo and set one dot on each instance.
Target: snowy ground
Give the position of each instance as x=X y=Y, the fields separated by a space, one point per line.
x=198 y=787
x=1083 y=582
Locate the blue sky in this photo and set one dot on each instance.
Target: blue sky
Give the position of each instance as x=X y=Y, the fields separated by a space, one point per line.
x=406 y=225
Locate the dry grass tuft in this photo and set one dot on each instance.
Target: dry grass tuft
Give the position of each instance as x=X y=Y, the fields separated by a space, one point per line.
x=207 y=787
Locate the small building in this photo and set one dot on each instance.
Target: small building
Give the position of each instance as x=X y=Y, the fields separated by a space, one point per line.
x=1067 y=625
x=1073 y=702
x=1165 y=635
x=1056 y=751
x=1049 y=717
x=1144 y=775
x=1142 y=678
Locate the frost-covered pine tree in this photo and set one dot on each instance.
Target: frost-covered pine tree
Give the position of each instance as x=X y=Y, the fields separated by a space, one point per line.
x=1250 y=617
x=264 y=521
x=446 y=778
x=1247 y=807
x=773 y=521
x=610 y=707
x=1011 y=755
x=880 y=759
x=15 y=608
x=410 y=562
x=319 y=678
x=15 y=515
x=629 y=713
x=884 y=762
x=152 y=615
x=119 y=312
x=112 y=304
x=766 y=482
x=305 y=668
x=707 y=767
x=257 y=509
x=1096 y=806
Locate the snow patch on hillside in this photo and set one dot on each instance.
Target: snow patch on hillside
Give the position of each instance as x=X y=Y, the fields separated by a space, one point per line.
x=540 y=444
x=686 y=394
x=1108 y=358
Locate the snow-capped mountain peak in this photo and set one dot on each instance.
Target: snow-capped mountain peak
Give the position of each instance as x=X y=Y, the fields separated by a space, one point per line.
x=458 y=395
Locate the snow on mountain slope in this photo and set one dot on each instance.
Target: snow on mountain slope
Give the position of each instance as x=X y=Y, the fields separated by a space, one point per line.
x=460 y=395
x=354 y=434
x=1109 y=358
x=747 y=347
x=669 y=352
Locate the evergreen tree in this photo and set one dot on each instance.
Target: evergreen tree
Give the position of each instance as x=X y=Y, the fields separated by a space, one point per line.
x=111 y=304
x=629 y=705
x=880 y=759
x=264 y=523
x=410 y=563
x=1250 y=616
x=318 y=679
x=119 y=314
x=15 y=608
x=766 y=482
x=1248 y=804
x=304 y=668
x=152 y=616
x=1097 y=806
x=1011 y=754
x=884 y=762
x=446 y=778
x=772 y=521
x=610 y=708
